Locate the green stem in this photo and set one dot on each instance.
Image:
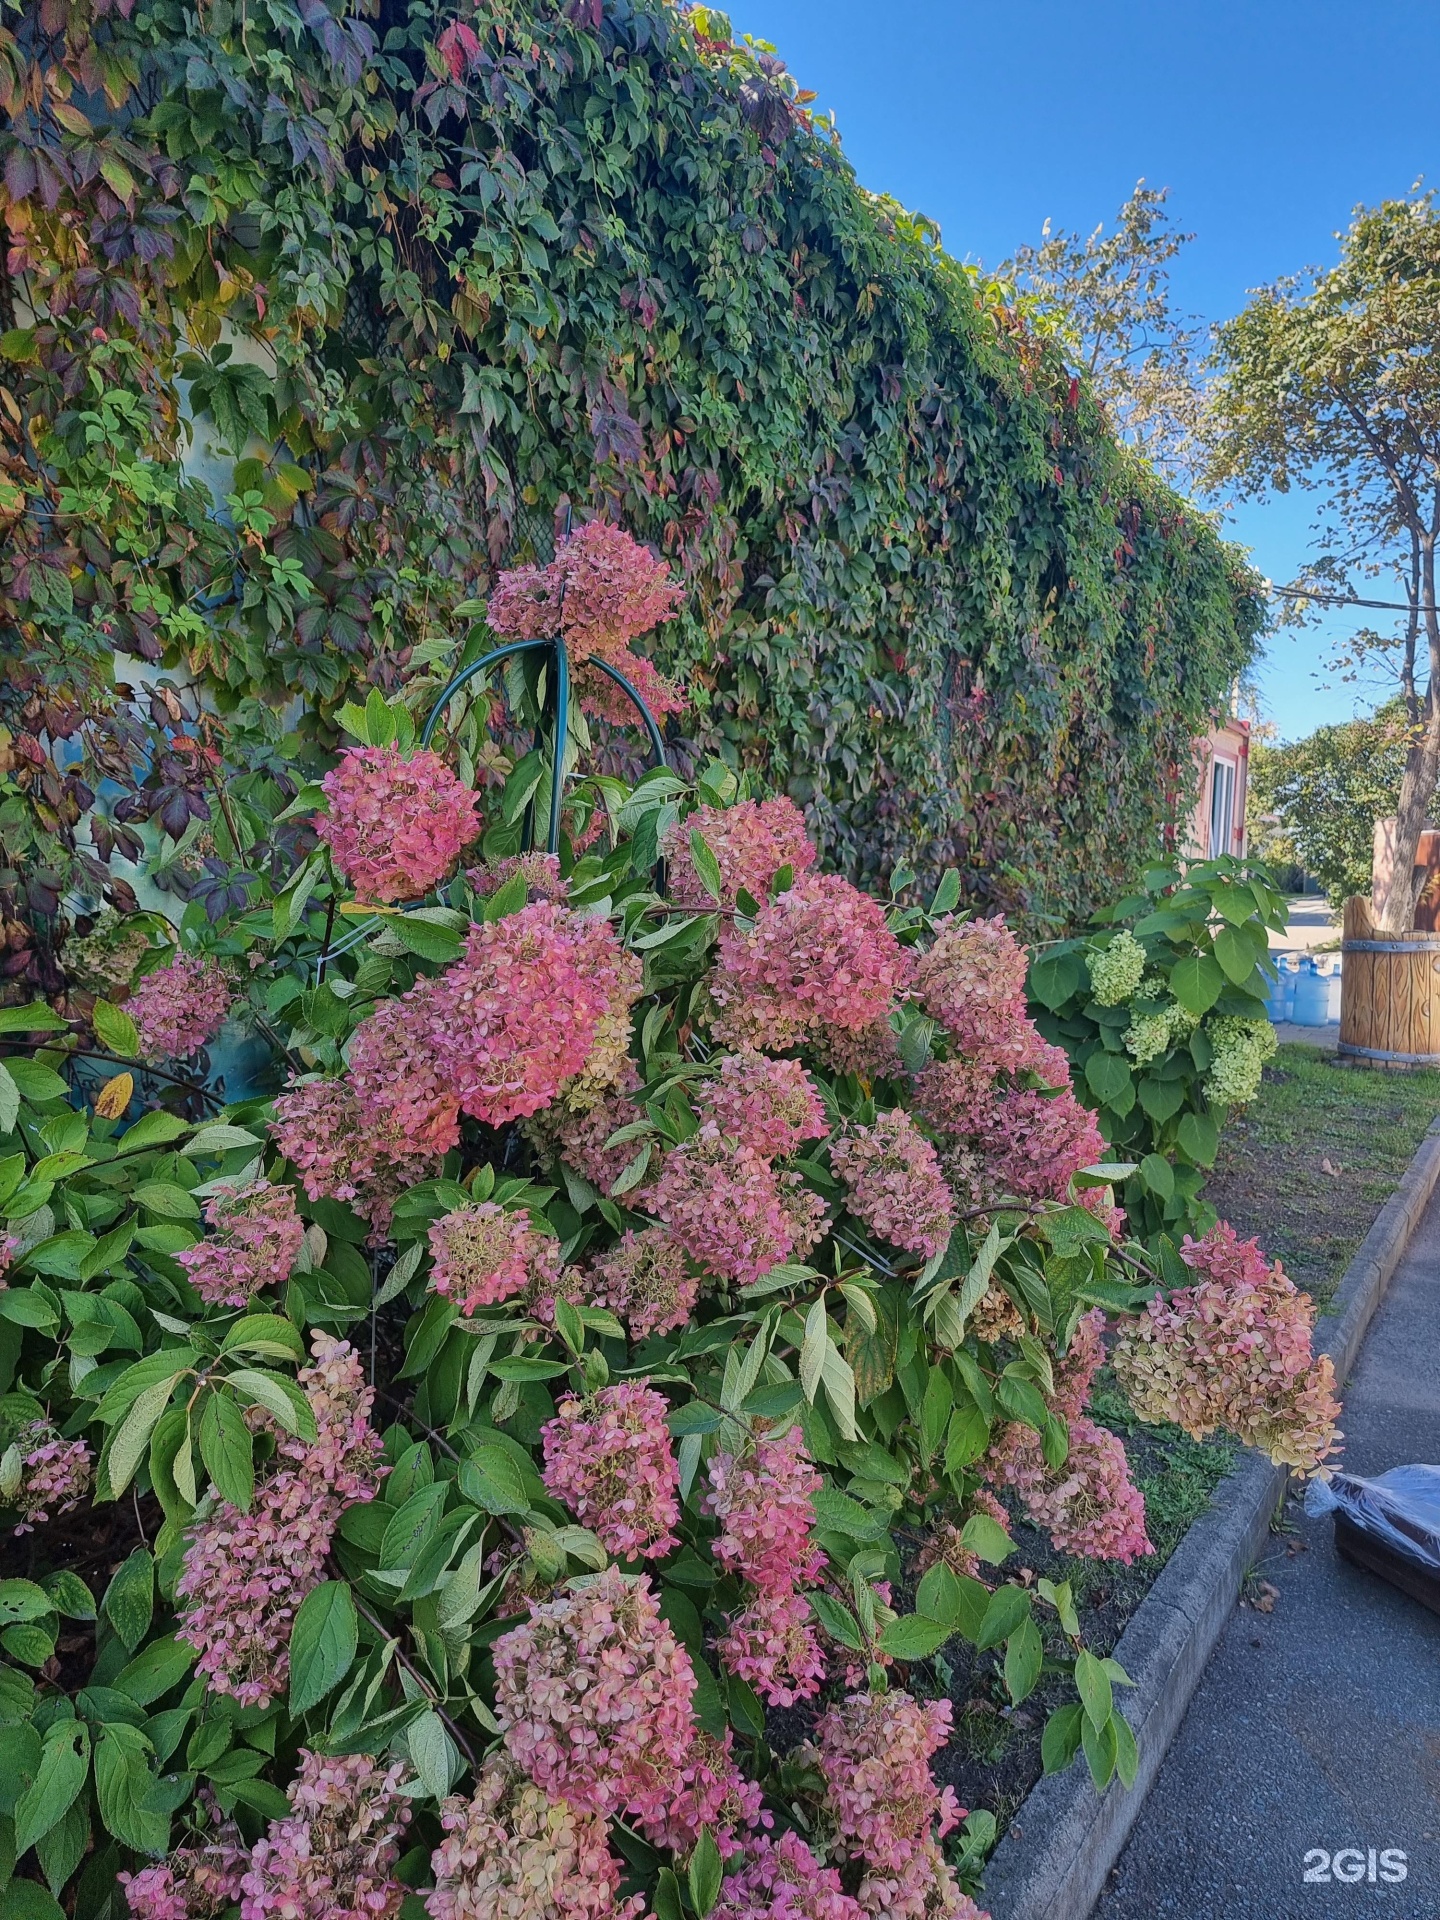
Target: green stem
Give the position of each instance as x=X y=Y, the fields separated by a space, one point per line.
x=409 y=1665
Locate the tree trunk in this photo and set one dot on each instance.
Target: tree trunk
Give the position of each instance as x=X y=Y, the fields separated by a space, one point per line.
x=1393 y=903
x=1394 y=900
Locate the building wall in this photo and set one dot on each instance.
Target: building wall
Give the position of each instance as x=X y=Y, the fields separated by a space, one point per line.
x=1218 y=823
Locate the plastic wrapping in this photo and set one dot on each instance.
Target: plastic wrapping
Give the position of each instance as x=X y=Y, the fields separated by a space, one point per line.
x=1390 y=1524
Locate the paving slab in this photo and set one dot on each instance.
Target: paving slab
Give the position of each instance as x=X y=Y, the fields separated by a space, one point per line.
x=1286 y=1032
x=1312 y=923
x=1315 y=1731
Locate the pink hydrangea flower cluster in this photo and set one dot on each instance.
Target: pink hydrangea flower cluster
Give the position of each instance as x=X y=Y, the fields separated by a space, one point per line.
x=397 y=821
x=873 y=1751
x=751 y=842
x=769 y=1105
x=1089 y=1505
x=483 y=1254
x=762 y=1499
x=396 y=1077
x=893 y=1183
x=196 y=1882
x=972 y=980
x=165 y=1892
x=517 y=1015
x=959 y=1098
x=344 y=1457
x=332 y=1857
x=245 y=1574
x=772 y=1645
x=342 y=1153
x=539 y=1005
x=730 y=1210
x=244 y=1577
x=602 y=590
x=594 y=1695
x=646 y=1281
x=1234 y=1351
x=1003 y=1099
x=254 y=1240
x=608 y=1459
x=581 y=1137
x=541 y=872
x=55 y=1475
x=599 y=695
x=1029 y=1142
x=179 y=1007
x=870 y=1053
x=806 y=1214
x=608 y=1064
x=818 y=959
x=332 y=1854
x=710 y=1791
x=925 y=1888
x=782 y=1880
x=547 y=1285
x=1077 y=1367
x=10 y=1244
x=1047 y=1139
x=512 y=1851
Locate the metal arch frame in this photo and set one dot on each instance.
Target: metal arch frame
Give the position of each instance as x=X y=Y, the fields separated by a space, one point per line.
x=557 y=710
x=657 y=744
x=557 y=707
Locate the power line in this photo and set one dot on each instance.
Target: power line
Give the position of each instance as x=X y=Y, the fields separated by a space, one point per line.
x=1347 y=600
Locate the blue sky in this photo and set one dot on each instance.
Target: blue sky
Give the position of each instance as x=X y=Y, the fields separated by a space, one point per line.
x=1268 y=121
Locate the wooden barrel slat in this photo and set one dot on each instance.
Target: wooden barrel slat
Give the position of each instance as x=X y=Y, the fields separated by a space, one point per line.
x=1389 y=992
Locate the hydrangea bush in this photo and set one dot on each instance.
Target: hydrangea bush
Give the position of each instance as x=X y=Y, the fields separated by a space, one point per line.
x=639 y=1314
x=1161 y=1011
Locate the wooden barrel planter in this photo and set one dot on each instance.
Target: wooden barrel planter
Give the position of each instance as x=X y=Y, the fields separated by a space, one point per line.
x=1389 y=993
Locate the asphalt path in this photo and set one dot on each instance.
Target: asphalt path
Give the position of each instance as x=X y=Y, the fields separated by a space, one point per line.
x=1312 y=1745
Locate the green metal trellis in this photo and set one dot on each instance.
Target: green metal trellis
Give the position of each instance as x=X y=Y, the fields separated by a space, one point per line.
x=555 y=715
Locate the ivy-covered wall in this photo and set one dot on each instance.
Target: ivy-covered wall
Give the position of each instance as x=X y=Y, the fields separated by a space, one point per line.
x=499 y=259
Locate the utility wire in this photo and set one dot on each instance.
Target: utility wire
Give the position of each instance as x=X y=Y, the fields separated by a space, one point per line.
x=1346 y=599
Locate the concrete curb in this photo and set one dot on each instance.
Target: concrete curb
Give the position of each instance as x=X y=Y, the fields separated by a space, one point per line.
x=1054 y=1861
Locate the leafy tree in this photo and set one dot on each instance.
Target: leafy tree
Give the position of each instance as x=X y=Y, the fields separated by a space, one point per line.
x=1315 y=801
x=1330 y=380
x=1110 y=294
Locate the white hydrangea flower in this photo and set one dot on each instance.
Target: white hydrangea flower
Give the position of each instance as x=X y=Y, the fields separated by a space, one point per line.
x=1148 y=1036
x=1117 y=969
x=1241 y=1048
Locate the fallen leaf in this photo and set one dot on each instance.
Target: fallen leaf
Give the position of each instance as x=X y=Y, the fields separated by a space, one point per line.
x=1265 y=1597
